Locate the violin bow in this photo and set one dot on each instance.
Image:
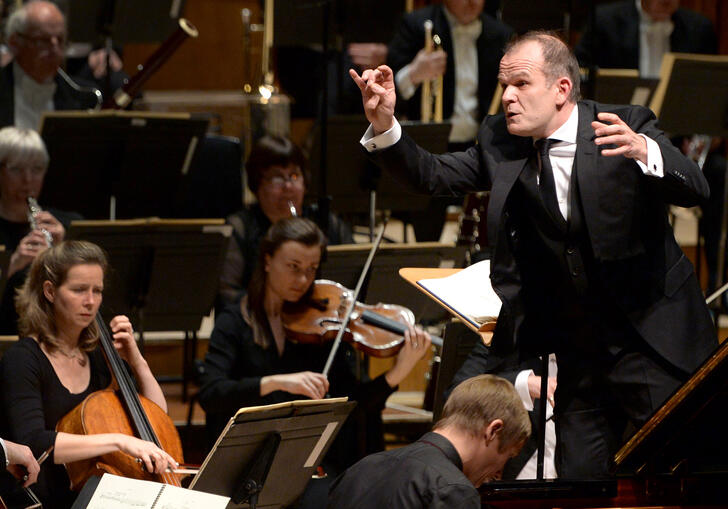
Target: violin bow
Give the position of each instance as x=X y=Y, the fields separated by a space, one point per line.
x=354 y=298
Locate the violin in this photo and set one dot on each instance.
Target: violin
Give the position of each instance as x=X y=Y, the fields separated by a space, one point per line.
x=376 y=330
x=119 y=409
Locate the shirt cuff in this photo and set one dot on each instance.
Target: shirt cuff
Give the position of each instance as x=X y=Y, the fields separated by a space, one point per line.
x=522 y=388
x=655 y=166
x=7 y=458
x=384 y=140
x=402 y=79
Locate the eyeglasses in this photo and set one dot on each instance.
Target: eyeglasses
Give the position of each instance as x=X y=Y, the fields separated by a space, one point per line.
x=278 y=181
x=44 y=42
x=18 y=171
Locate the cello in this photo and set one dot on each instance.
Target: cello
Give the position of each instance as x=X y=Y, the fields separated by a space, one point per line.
x=119 y=409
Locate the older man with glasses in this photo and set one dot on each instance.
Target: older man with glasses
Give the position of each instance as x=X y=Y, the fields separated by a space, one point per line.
x=31 y=84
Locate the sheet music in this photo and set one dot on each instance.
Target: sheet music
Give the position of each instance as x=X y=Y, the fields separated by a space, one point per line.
x=468 y=292
x=114 y=492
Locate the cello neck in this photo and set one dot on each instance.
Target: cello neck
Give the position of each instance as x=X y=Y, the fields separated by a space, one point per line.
x=126 y=385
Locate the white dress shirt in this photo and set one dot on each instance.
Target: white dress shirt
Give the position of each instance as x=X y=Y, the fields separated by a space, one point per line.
x=5 y=450
x=654 y=43
x=465 y=110
x=31 y=98
x=549 y=461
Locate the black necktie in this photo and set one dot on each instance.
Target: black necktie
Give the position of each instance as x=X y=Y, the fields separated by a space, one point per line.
x=546 y=183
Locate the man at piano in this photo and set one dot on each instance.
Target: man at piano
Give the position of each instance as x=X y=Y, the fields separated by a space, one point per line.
x=584 y=259
x=483 y=425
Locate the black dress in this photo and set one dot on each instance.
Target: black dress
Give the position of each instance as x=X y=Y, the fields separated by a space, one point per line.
x=33 y=400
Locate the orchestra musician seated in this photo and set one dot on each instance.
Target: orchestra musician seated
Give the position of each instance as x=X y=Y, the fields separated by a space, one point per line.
x=275 y=171
x=251 y=362
x=33 y=82
x=483 y=425
x=23 y=164
x=58 y=362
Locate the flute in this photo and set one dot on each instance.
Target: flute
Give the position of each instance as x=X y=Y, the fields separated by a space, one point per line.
x=33 y=210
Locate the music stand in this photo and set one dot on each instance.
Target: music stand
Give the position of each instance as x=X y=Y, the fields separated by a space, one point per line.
x=343 y=264
x=695 y=80
x=353 y=194
x=132 y=21
x=623 y=86
x=164 y=273
x=270 y=452
x=117 y=164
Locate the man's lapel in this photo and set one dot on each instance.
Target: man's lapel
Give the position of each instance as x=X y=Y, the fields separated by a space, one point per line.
x=587 y=169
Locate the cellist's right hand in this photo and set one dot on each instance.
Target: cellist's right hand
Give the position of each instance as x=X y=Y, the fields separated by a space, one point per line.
x=378 y=96
x=306 y=383
x=154 y=459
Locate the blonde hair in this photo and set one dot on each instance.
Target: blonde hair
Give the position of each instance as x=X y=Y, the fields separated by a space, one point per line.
x=480 y=400
x=20 y=146
x=37 y=313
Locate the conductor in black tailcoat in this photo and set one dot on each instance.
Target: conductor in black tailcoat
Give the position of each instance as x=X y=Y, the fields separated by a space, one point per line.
x=584 y=259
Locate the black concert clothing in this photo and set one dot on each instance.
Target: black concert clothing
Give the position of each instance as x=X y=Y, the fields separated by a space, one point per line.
x=410 y=38
x=235 y=364
x=11 y=233
x=65 y=97
x=613 y=42
x=425 y=474
x=249 y=227
x=33 y=401
x=609 y=292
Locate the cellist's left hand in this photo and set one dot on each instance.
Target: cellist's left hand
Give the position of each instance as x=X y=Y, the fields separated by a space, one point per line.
x=124 y=342
x=416 y=344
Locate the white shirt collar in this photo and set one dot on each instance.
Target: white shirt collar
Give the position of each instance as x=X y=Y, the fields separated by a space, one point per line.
x=567 y=131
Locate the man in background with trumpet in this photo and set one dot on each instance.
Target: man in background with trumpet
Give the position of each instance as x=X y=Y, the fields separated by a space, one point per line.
x=467 y=63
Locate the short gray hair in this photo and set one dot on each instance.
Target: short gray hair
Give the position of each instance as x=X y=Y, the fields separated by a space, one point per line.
x=20 y=146
x=17 y=22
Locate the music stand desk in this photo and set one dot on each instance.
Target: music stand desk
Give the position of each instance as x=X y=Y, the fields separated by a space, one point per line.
x=301 y=432
x=413 y=274
x=138 y=158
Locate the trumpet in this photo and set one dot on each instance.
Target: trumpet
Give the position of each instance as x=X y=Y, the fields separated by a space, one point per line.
x=431 y=103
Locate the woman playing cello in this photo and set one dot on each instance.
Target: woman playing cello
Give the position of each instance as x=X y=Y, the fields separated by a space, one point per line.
x=250 y=361
x=58 y=362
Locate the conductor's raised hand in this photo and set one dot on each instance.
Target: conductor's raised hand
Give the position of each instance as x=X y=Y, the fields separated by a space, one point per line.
x=378 y=96
x=612 y=130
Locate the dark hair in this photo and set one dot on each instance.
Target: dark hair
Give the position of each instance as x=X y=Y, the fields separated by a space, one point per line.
x=272 y=150
x=558 y=59
x=37 y=314
x=297 y=229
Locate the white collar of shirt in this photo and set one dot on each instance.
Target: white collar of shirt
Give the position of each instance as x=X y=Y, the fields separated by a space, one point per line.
x=31 y=98
x=567 y=131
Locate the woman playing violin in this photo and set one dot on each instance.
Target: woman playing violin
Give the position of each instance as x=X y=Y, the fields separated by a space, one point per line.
x=58 y=362
x=250 y=362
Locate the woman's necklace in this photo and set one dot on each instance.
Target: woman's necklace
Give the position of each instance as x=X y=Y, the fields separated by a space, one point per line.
x=75 y=354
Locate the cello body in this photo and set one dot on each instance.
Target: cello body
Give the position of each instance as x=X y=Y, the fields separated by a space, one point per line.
x=104 y=412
